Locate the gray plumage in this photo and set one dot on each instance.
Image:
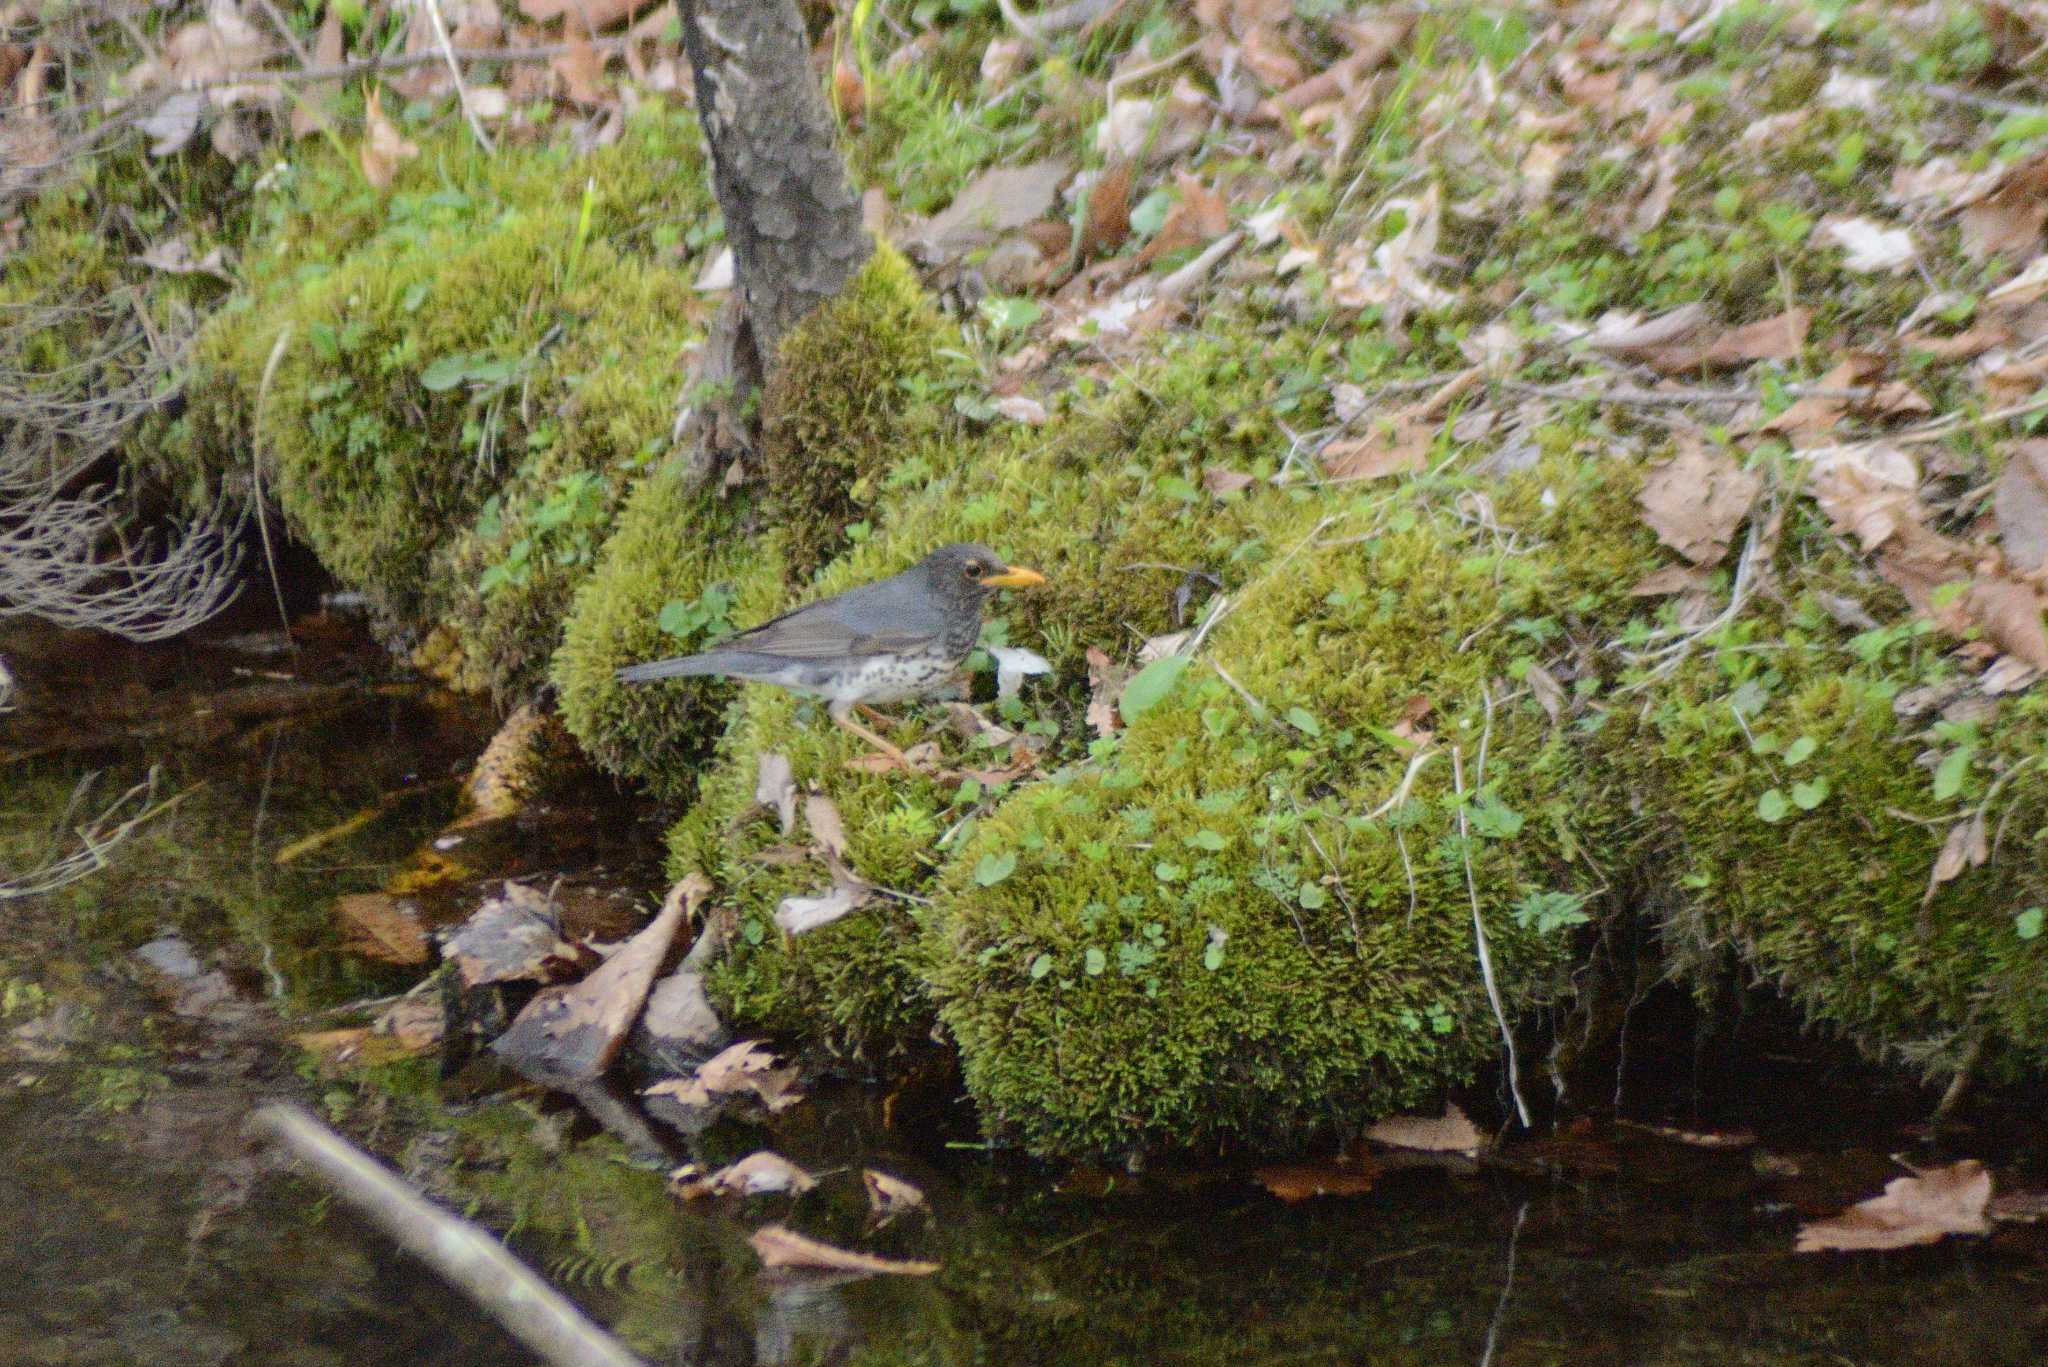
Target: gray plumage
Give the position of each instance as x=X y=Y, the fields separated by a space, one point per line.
x=881 y=642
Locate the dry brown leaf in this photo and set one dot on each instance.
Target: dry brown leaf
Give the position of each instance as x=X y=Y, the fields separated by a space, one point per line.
x=821 y=814
x=889 y=1197
x=1656 y=202
x=2010 y=613
x=775 y=788
x=1672 y=579
x=780 y=1247
x=748 y=1066
x=1540 y=165
x=2020 y=503
x=598 y=14
x=1108 y=224
x=1696 y=500
x=1451 y=1132
x=314 y=109
x=416 y=1023
x=1778 y=338
x=1921 y=1209
x=1815 y=415
x=1220 y=481
x=384 y=147
x=581 y=68
x=761 y=1173
x=2010 y=381
x=1105 y=685
x=2003 y=212
x=1962 y=346
x=1397 y=448
x=1549 y=692
x=1198 y=218
x=1295 y=1182
x=997 y=201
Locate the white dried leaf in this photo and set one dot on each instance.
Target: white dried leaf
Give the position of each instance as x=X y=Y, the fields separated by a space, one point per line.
x=1870 y=246
x=1013 y=666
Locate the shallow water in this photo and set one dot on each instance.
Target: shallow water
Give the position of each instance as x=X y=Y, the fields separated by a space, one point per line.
x=144 y=1228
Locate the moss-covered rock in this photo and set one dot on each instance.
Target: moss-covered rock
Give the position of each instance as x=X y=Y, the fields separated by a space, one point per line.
x=837 y=412
x=1254 y=919
x=1106 y=501
x=467 y=371
x=1799 y=819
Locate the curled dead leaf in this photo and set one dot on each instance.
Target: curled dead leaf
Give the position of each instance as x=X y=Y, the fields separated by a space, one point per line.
x=384 y=147
x=1695 y=501
x=1922 y=1209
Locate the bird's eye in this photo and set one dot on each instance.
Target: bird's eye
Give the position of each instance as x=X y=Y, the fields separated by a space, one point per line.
x=974 y=569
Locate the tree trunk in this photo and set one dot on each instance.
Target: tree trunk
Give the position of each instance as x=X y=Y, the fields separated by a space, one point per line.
x=791 y=219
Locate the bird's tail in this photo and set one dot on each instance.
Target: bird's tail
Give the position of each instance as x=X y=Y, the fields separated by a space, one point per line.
x=675 y=667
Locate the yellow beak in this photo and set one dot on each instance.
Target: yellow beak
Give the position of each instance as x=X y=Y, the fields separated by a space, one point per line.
x=1016 y=577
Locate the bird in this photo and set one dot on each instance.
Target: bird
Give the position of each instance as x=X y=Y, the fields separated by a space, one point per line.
x=889 y=641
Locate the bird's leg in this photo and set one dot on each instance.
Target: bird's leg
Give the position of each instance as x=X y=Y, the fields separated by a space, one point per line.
x=845 y=720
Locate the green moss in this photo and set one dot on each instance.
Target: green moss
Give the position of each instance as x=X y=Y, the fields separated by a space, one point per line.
x=1106 y=501
x=482 y=330
x=1206 y=940
x=673 y=544
x=835 y=410
x=1801 y=821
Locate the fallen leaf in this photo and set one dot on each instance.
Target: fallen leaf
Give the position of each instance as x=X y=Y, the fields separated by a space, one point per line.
x=510 y=938
x=1105 y=682
x=574 y=1032
x=1022 y=408
x=1695 y=501
x=1013 y=666
x=889 y=1197
x=828 y=829
x=2003 y=210
x=748 y=1066
x=173 y=256
x=1921 y=1209
x=2010 y=613
x=1549 y=692
x=1295 y=1182
x=314 y=109
x=1199 y=217
x=384 y=147
x=761 y=1173
x=775 y=788
x=1814 y=415
x=1697 y=1139
x=795 y=915
x=415 y=1023
x=1220 y=481
x=379 y=926
x=780 y=1247
x=1870 y=246
x=1108 y=223
x=1451 y=1132
x=995 y=202
x=581 y=68
x=2020 y=502
x=1125 y=129
x=1672 y=579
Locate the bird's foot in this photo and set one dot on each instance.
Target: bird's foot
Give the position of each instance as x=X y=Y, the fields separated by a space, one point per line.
x=897 y=759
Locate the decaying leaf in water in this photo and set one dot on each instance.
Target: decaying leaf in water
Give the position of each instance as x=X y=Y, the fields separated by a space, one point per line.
x=780 y=1247
x=749 y=1066
x=1293 y=1182
x=380 y=926
x=761 y=1173
x=889 y=1197
x=1695 y=501
x=509 y=938
x=1451 y=1132
x=1922 y=1209
x=574 y=1032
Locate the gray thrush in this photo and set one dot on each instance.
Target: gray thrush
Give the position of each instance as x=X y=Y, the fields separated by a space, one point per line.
x=883 y=642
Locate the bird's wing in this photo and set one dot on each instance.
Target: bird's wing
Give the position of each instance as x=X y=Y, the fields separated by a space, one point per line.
x=817 y=633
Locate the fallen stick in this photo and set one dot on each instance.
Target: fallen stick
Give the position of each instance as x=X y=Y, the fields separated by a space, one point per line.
x=477 y=1264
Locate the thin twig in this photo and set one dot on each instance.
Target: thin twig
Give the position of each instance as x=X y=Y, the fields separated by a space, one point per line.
x=462 y=98
x=477 y=1264
x=1500 y=1014
x=277 y=349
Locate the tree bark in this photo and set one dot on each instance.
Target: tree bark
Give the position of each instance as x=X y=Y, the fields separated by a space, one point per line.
x=791 y=219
